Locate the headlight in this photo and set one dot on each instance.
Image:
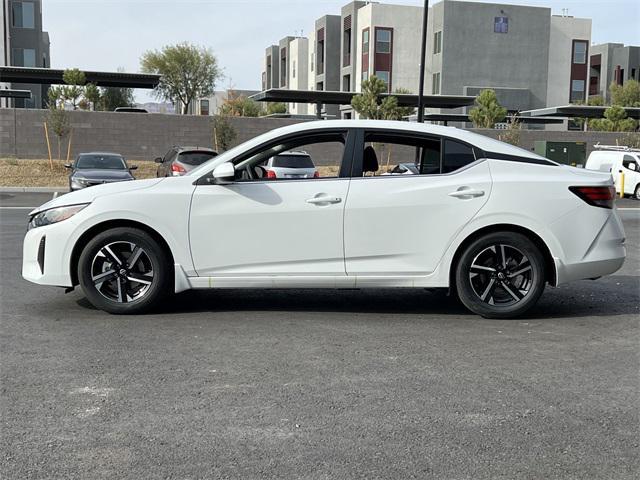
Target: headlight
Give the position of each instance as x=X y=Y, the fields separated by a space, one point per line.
x=83 y=182
x=54 y=215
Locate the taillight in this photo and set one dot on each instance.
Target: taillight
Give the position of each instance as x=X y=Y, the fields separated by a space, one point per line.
x=271 y=174
x=177 y=170
x=316 y=174
x=596 y=196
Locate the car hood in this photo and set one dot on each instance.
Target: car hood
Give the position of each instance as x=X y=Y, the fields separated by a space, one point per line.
x=88 y=195
x=108 y=175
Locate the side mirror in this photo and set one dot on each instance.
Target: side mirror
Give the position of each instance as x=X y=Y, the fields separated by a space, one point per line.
x=133 y=167
x=224 y=174
x=68 y=165
x=632 y=166
x=158 y=160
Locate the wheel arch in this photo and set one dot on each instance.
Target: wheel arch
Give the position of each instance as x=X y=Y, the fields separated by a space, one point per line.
x=549 y=263
x=107 y=225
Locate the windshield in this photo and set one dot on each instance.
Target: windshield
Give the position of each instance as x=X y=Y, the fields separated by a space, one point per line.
x=101 y=162
x=196 y=158
x=292 y=161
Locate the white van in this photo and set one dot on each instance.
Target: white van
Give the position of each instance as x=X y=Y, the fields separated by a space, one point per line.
x=618 y=161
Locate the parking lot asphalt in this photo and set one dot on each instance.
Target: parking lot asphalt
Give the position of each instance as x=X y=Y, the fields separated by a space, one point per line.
x=318 y=384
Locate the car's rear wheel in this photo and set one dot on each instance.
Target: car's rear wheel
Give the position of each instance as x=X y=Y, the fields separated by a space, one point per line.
x=636 y=194
x=500 y=275
x=124 y=271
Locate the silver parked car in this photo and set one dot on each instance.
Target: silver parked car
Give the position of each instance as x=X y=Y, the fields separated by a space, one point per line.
x=180 y=160
x=293 y=164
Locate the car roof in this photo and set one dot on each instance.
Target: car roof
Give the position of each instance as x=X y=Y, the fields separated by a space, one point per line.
x=294 y=152
x=481 y=141
x=181 y=148
x=101 y=153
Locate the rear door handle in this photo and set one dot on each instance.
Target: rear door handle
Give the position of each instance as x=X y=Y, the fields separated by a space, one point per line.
x=323 y=200
x=466 y=193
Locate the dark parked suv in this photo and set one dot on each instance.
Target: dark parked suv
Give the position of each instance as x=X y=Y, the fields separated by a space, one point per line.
x=179 y=160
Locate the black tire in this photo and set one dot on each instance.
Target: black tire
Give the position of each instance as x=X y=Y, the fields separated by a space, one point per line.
x=636 y=194
x=109 y=282
x=486 y=287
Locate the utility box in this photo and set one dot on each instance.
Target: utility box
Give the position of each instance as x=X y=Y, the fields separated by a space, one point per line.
x=569 y=153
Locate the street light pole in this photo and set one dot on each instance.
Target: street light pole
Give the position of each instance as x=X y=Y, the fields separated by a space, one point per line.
x=423 y=54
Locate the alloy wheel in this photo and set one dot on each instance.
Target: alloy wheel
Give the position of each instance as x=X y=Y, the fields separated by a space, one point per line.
x=122 y=272
x=501 y=275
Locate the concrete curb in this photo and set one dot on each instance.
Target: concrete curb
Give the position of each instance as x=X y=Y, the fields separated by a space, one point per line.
x=33 y=189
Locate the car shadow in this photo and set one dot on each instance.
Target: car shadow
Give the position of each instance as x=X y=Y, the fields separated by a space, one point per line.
x=616 y=295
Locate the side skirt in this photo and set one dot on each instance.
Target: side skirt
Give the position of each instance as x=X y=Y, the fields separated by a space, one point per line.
x=293 y=281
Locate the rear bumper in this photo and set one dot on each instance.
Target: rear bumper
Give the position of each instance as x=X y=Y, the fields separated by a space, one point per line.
x=605 y=255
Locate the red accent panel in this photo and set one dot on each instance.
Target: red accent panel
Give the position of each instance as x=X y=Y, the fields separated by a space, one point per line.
x=383 y=62
x=579 y=70
x=320 y=35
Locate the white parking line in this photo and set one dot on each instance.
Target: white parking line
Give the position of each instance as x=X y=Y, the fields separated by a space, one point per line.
x=629 y=208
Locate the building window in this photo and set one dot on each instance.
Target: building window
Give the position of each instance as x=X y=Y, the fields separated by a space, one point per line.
x=23 y=15
x=320 y=86
x=580 y=53
x=346 y=83
x=283 y=67
x=312 y=61
x=293 y=69
x=437 y=42
x=24 y=57
x=384 y=76
x=320 y=52
x=577 y=90
x=365 y=42
x=501 y=25
x=204 y=107
x=435 y=88
x=383 y=40
x=346 y=42
x=365 y=54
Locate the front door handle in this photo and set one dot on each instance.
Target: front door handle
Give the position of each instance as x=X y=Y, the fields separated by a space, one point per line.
x=465 y=192
x=323 y=200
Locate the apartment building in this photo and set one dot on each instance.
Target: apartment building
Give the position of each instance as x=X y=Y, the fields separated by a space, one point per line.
x=24 y=44
x=612 y=63
x=531 y=58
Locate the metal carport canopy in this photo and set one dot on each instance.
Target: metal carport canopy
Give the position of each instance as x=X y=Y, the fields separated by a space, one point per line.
x=344 y=98
x=463 y=117
x=50 y=76
x=581 y=111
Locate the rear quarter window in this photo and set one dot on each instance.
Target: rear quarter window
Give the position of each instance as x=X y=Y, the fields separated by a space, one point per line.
x=456 y=155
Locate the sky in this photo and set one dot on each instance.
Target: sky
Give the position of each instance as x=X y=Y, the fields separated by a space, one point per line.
x=106 y=35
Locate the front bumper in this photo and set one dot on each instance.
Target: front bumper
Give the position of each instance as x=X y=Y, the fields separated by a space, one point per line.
x=45 y=260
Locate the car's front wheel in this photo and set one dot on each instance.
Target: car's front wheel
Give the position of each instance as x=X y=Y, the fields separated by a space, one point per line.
x=124 y=271
x=500 y=275
x=636 y=194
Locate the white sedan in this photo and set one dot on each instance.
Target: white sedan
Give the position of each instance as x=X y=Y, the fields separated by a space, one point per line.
x=487 y=220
